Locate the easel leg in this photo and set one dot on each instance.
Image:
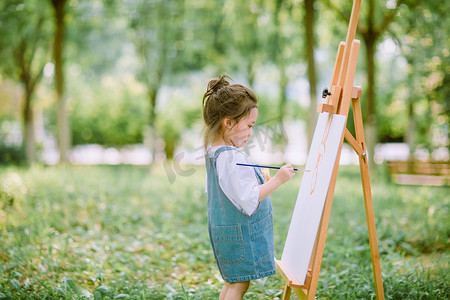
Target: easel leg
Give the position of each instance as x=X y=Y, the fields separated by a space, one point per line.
x=364 y=168
x=287 y=292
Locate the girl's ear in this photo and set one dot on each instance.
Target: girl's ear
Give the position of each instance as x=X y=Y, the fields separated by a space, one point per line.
x=228 y=123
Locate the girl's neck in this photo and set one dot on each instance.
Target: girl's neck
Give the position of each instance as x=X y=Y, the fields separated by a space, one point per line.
x=219 y=141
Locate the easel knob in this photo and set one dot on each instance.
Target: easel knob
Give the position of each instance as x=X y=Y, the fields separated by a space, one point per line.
x=325 y=93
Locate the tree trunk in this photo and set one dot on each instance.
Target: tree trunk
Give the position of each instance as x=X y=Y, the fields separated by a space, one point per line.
x=29 y=128
x=151 y=123
x=278 y=59
x=250 y=73
x=283 y=98
x=62 y=114
x=27 y=112
x=370 y=126
x=370 y=38
x=310 y=43
x=410 y=134
x=29 y=84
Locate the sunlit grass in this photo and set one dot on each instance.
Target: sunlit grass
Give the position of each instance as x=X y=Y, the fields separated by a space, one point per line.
x=121 y=231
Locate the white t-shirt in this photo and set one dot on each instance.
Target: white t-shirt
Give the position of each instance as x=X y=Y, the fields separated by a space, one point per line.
x=239 y=183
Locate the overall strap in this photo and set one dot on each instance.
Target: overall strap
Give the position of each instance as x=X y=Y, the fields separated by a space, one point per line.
x=258 y=171
x=222 y=149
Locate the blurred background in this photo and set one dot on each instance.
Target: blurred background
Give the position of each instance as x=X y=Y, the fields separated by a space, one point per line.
x=101 y=155
x=121 y=81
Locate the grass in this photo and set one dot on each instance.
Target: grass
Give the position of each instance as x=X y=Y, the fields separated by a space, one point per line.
x=121 y=232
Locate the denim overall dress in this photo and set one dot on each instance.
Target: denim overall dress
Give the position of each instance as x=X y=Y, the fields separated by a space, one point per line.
x=243 y=245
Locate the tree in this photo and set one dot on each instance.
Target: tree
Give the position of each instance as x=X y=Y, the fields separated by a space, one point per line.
x=24 y=43
x=373 y=24
x=422 y=40
x=310 y=46
x=152 y=25
x=247 y=39
x=62 y=113
x=283 y=44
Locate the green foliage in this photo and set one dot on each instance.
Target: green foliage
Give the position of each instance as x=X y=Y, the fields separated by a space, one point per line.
x=25 y=36
x=113 y=114
x=96 y=40
x=177 y=116
x=421 y=34
x=122 y=233
x=393 y=121
x=24 y=50
x=157 y=42
x=11 y=154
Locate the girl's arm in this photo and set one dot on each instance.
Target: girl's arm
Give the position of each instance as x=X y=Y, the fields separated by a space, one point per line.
x=283 y=175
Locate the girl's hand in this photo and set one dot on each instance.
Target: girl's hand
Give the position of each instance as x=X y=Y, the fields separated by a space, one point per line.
x=285 y=173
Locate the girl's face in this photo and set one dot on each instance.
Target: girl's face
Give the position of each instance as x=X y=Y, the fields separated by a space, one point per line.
x=237 y=134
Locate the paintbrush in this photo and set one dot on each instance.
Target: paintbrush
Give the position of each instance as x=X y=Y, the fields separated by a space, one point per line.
x=269 y=167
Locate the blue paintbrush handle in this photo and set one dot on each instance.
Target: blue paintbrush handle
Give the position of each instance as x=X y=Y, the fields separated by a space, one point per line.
x=269 y=167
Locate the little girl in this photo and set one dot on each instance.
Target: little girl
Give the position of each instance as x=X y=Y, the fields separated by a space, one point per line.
x=239 y=209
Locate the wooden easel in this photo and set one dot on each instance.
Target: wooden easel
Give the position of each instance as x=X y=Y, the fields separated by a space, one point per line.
x=338 y=102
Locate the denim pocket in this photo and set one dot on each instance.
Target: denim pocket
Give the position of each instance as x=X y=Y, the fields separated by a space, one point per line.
x=261 y=227
x=261 y=234
x=229 y=244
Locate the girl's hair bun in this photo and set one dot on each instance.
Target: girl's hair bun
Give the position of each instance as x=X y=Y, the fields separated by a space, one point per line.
x=216 y=84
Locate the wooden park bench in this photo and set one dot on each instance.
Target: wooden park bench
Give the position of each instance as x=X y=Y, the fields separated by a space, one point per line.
x=415 y=172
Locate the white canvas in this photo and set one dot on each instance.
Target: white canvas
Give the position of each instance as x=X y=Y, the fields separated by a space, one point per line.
x=312 y=194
